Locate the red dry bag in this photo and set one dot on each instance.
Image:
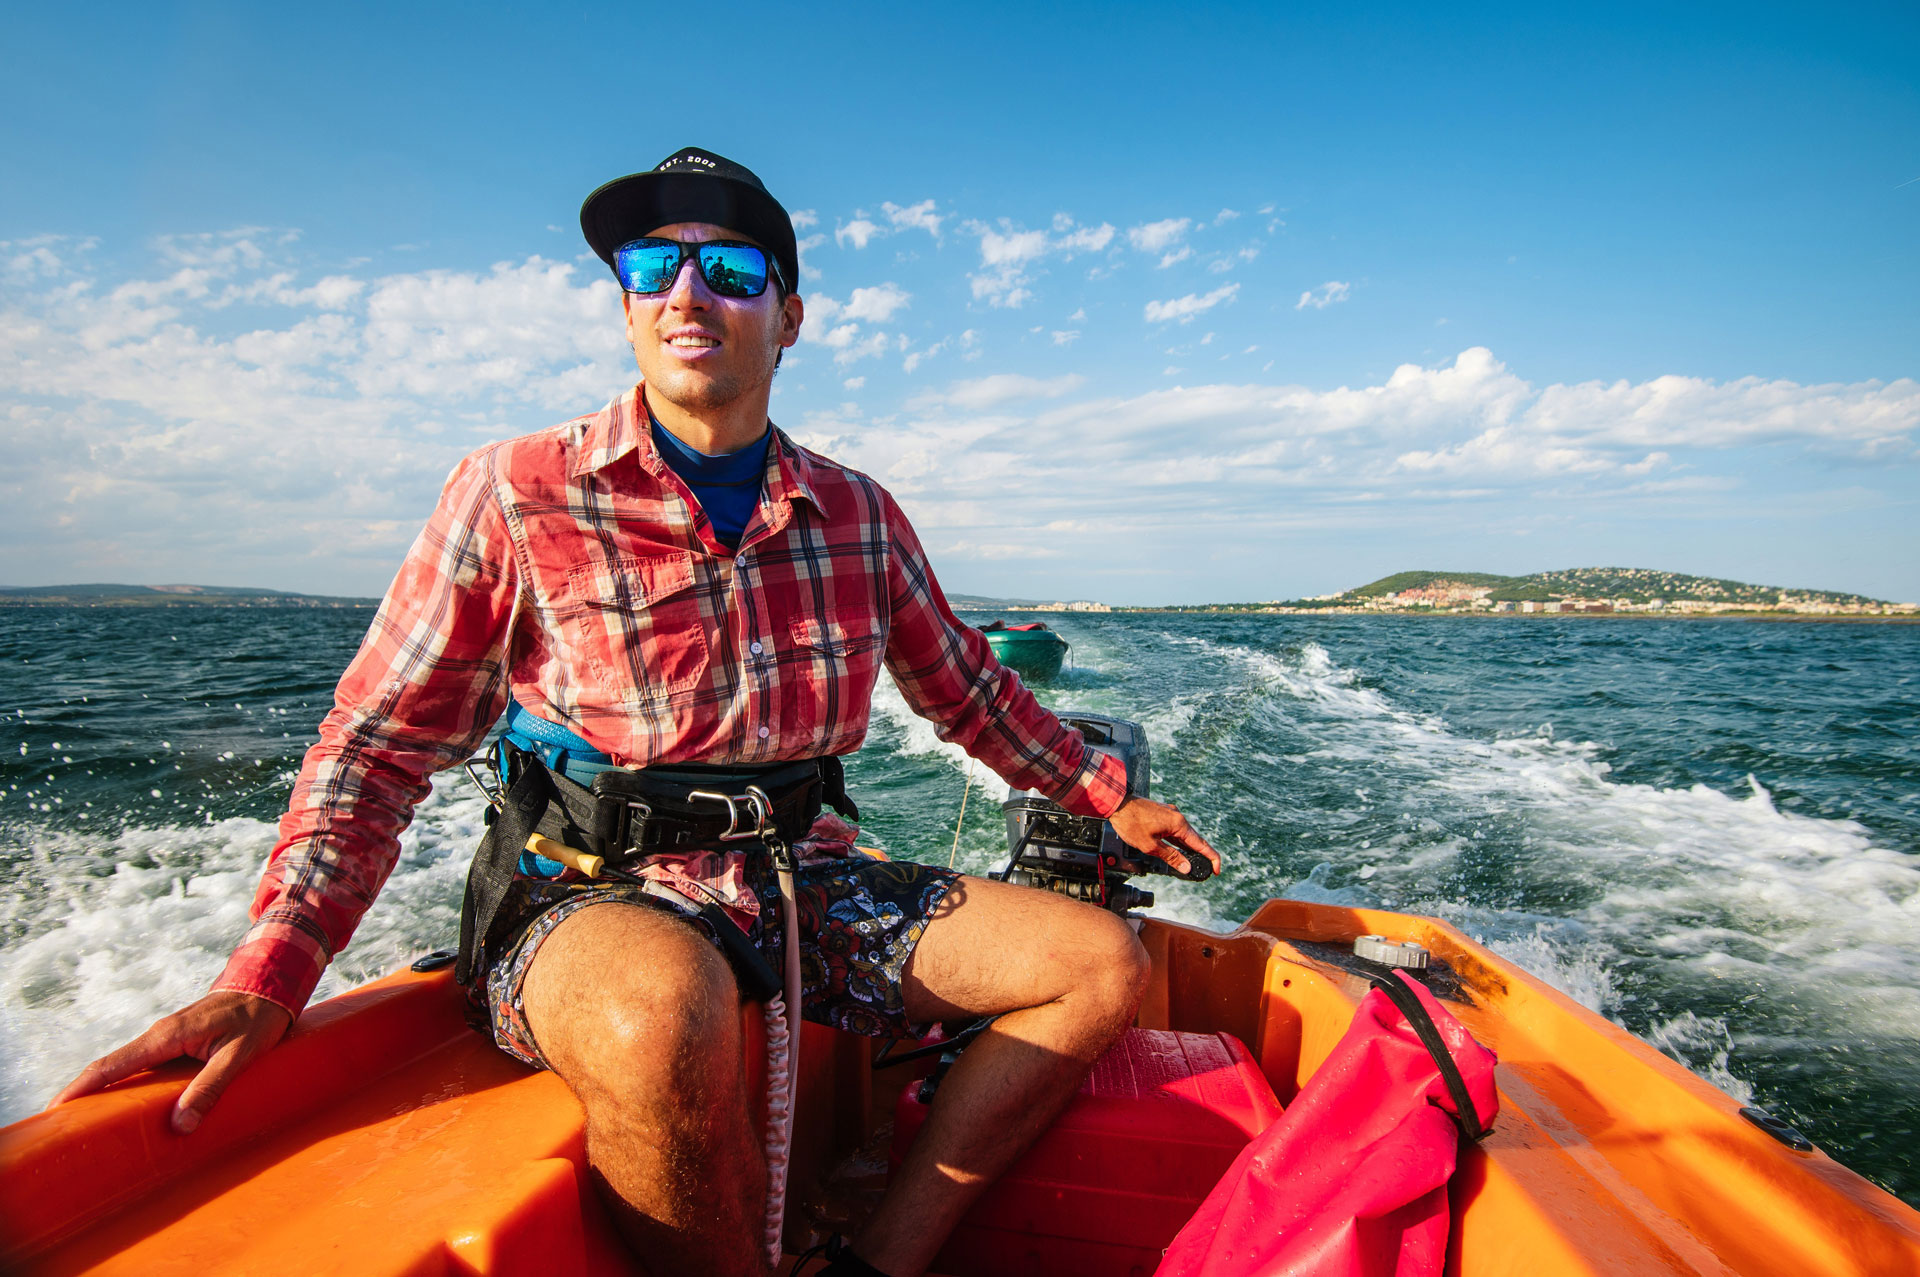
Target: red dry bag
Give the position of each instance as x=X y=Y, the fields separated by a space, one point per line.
x=1352 y=1180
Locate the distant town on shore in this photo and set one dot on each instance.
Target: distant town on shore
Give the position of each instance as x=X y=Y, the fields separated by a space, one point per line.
x=1569 y=591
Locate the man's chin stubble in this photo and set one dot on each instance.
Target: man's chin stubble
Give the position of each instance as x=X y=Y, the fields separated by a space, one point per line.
x=689 y=389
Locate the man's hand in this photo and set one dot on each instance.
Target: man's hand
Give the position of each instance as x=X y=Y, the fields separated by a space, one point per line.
x=227 y=1030
x=1161 y=831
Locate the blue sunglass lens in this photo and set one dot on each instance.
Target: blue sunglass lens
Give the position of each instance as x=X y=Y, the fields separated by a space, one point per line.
x=734 y=270
x=647 y=267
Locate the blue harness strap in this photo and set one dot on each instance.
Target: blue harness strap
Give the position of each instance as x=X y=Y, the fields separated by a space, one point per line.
x=563 y=751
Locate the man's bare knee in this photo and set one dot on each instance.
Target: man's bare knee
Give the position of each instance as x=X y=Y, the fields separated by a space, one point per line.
x=623 y=997
x=1115 y=968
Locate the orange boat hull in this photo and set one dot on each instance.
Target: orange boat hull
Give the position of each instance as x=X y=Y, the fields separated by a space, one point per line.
x=386 y=1137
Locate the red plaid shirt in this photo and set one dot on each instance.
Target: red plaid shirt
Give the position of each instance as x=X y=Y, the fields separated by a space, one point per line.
x=572 y=570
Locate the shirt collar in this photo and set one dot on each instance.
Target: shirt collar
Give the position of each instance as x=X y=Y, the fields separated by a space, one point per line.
x=610 y=434
x=795 y=472
x=623 y=426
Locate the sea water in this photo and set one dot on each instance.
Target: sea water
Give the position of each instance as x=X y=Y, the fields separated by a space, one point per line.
x=1708 y=831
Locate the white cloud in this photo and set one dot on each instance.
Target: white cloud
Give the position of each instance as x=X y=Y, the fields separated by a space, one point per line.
x=1011 y=248
x=1426 y=437
x=850 y=345
x=916 y=216
x=1324 y=296
x=1085 y=239
x=803 y=218
x=859 y=230
x=1224 y=216
x=1009 y=255
x=837 y=325
x=915 y=358
x=963 y=550
x=1158 y=237
x=1001 y=388
x=151 y=403
x=1183 y=309
x=1223 y=264
x=806 y=245
x=854 y=383
x=876 y=304
x=1065 y=338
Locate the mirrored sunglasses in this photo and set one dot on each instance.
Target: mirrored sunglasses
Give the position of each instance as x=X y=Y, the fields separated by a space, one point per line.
x=730 y=268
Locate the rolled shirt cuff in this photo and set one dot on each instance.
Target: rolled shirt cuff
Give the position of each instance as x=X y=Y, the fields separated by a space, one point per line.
x=278 y=962
x=1098 y=788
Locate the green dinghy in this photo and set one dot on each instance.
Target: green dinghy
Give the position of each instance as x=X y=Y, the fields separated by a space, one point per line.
x=1033 y=650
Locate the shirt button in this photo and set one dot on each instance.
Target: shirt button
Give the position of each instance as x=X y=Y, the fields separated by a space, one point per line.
x=754 y=647
x=741 y=562
x=765 y=732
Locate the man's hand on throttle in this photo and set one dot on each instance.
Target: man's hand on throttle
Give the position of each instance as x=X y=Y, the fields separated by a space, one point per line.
x=1161 y=831
x=227 y=1030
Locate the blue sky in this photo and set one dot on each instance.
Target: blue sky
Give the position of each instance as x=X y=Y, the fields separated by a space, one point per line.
x=1127 y=303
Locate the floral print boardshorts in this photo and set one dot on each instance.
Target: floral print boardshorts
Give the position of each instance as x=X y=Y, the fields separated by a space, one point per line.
x=859 y=922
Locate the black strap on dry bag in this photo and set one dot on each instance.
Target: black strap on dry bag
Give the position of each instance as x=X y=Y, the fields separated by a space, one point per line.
x=1465 y=1115
x=495 y=859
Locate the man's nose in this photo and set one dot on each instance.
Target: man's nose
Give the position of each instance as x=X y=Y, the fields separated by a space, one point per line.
x=689 y=291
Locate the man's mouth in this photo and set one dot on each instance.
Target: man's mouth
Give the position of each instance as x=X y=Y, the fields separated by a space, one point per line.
x=692 y=341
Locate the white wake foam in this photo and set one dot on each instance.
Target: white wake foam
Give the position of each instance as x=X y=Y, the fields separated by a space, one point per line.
x=1715 y=883
x=125 y=929
x=919 y=738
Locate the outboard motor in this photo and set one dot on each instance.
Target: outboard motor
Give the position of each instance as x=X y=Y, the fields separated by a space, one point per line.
x=1081 y=856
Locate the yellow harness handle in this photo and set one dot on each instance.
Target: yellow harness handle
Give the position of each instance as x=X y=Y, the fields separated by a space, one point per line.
x=580 y=861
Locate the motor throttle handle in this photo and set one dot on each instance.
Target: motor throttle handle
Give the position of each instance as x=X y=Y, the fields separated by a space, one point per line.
x=1199 y=867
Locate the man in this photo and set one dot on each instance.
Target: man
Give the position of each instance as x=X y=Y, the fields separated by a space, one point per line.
x=672 y=581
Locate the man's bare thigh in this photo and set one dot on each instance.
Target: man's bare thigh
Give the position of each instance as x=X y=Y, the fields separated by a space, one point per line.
x=992 y=947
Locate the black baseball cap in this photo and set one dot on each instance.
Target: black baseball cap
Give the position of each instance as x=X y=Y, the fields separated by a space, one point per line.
x=691 y=185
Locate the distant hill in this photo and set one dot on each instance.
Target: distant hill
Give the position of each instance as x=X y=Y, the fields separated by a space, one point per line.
x=1417 y=580
x=167 y=596
x=1628 y=585
x=1641 y=584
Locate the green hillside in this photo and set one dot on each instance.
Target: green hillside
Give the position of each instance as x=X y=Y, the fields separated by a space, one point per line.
x=1639 y=585
x=1415 y=580
x=1632 y=585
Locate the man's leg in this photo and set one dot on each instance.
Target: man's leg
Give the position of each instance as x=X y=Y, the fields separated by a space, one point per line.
x=1068 y=978
x=640 y=1016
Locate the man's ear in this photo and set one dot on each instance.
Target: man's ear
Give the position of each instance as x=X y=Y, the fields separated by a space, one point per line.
x=793 y=312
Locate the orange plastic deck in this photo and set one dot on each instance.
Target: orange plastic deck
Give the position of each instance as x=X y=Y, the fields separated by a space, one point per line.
x=385 y=1137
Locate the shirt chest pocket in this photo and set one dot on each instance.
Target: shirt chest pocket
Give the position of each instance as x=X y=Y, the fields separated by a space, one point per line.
x=835 y=660
x=640 y=624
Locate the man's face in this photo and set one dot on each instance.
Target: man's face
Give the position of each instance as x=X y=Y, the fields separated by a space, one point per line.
x=699 y=350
